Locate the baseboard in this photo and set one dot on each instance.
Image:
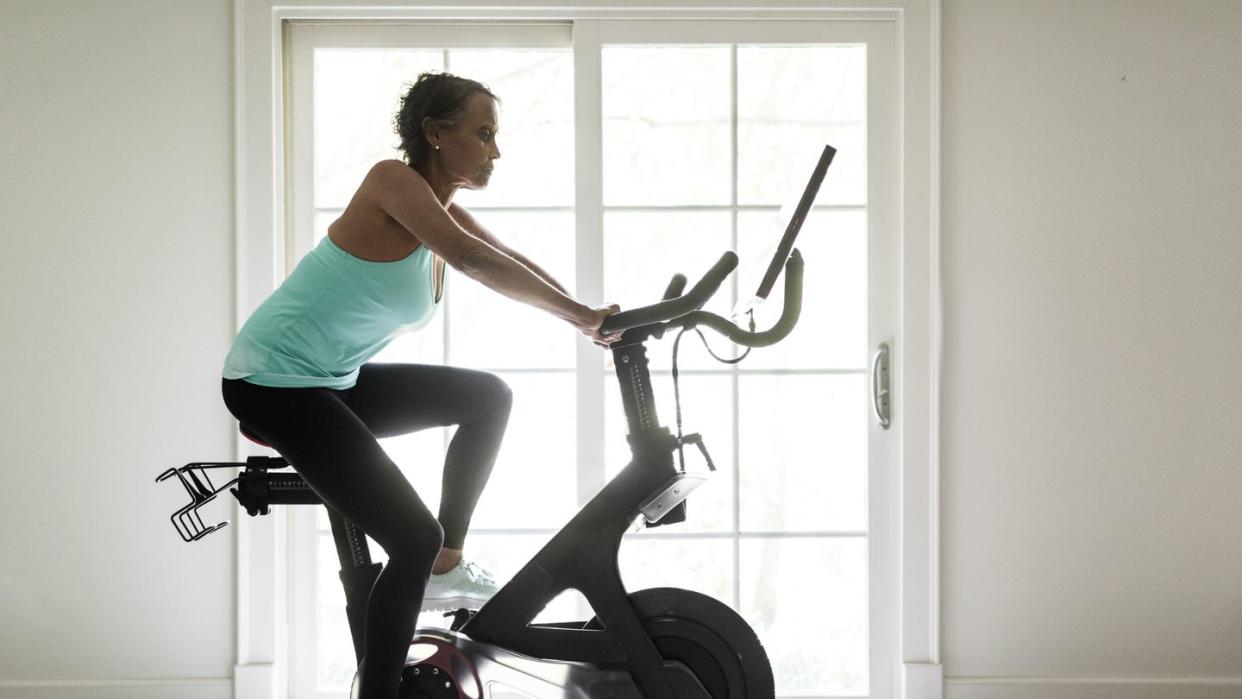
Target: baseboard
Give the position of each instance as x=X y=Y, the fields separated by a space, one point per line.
x=118 y=689
x=922 y=681
x=1092 y=688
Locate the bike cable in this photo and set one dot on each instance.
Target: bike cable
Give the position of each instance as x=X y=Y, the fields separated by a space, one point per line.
x=681 y=454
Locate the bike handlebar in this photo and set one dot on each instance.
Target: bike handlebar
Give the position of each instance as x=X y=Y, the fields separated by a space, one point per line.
x=683 y=311
x=783 y=326
x=676 y=307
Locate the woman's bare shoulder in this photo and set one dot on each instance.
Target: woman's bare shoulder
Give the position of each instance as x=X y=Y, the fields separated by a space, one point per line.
x=388 y=172
x=390 y=181
x=402 y=194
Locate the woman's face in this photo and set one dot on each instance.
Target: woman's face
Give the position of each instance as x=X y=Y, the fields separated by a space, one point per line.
x=467 y=151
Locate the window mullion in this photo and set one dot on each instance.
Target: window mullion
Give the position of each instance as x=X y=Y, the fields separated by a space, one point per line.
x=588 y=250
x=588 y=255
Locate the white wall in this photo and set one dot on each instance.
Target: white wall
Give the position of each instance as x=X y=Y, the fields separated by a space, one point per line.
x=1092 y=388
x=116 y=213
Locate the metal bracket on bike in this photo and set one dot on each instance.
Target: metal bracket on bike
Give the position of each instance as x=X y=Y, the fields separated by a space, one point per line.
x=186 y=520
x=671 y=495
x=674 y=491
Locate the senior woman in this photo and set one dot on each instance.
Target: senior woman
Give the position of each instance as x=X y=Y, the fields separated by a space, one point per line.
x=298 y=375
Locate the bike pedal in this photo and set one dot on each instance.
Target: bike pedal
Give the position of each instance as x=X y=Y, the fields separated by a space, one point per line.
x=460 y=617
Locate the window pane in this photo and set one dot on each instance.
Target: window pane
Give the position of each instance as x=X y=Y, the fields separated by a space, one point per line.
x=534 y=482
x=832 y=329
x=536 y=137
x=420 y=456
x=666 y=125
x=642 y=252
x=702 y=565
x=490 y=330
x=807 y=601
x=357 y=95
x=792 y=101
x=803 y=452
x=335 y=664
x=707 y=408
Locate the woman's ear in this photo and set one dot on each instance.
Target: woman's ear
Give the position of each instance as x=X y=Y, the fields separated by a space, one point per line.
x=431 y=131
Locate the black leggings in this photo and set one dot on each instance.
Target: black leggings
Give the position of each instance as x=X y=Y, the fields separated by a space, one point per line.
x=329 y=437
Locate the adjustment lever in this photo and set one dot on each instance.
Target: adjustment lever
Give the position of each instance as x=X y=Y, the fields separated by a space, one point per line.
x=697 y=440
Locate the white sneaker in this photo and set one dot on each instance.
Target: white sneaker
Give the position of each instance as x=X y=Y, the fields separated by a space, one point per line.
x=467 y=585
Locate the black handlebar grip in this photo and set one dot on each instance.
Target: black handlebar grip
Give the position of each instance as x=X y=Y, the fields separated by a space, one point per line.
x=676 y=285
x=674 y=308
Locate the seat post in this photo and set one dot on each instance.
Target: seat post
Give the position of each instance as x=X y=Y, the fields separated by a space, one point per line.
x=636 y=389
x=357 y=574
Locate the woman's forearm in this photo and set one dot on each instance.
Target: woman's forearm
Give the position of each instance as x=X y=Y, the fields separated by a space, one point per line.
x=476 y=229
x=536 y=269
x=526 y=284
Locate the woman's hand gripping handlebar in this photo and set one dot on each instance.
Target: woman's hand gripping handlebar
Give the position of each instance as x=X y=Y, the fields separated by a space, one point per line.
x=683 y=311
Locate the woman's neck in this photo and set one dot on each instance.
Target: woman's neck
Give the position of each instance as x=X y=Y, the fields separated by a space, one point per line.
x=441 y=185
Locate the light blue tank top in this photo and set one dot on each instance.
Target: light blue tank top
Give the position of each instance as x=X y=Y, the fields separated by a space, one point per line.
x=330 y=316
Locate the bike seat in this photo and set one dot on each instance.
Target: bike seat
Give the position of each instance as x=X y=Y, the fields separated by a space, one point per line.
x=245 y=431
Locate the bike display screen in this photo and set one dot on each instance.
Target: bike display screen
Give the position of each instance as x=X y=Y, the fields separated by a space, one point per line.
x=782 y=246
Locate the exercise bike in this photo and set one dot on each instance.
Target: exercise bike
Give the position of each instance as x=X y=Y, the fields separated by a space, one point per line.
x=660 y=643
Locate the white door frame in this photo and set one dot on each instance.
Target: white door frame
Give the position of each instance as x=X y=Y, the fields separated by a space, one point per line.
x=261 y=188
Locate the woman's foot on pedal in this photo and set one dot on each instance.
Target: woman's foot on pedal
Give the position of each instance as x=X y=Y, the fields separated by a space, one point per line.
x=466 y=585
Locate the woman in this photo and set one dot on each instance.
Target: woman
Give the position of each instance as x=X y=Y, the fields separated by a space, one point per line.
x=298 y=378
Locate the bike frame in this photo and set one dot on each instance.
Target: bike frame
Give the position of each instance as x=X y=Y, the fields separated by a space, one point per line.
x=583 y=555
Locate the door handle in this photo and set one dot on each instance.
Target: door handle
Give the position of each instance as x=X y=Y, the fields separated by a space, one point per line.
x=880 y=387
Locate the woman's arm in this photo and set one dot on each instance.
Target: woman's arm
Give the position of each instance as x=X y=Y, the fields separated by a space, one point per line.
x=472 y=226
x=399 y=191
